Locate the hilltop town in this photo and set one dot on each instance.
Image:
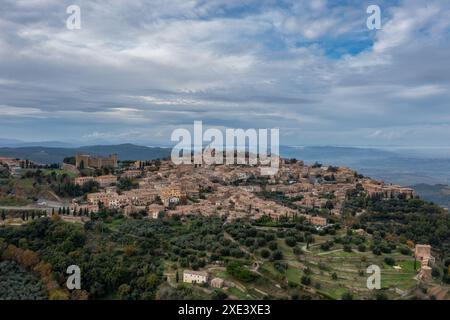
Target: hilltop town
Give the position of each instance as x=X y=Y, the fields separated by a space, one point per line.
x=315 y=192
x=308 y=231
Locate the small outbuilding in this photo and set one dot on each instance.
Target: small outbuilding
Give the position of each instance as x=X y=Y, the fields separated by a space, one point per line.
x=217 y=283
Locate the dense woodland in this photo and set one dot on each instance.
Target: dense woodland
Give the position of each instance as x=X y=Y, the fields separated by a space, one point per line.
x=18 y=284
x=125 y=258
x=413 y=219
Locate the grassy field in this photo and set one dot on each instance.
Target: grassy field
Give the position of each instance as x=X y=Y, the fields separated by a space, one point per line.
x=11 y=201
x=55 y=171
x=314 y=271
x=349 y=269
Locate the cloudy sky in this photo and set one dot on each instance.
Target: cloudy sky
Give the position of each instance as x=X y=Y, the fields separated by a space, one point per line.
x=136 y=70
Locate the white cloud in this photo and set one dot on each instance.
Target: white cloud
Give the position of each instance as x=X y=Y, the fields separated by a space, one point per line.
x=421 y=92
x=10 y=111
x=232 y=63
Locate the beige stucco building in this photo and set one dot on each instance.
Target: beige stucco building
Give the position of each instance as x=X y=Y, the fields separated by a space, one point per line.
x=191 y=276
x=87 y=161
x=103 y=181
x=217 y=283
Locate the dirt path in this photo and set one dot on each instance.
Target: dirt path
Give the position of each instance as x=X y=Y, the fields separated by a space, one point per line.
x=329 y=252
x=243 y=248
x=305 y=250
x=258 y=262
x=169 y=275
x=55 y=196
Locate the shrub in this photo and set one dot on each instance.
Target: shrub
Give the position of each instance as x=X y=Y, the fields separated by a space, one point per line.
x=277 y=255
x=290 y=241
x=281 y=267
x=447 y=262
x=376 y=251
x=273 y=245
x=238 y=271
x=305 y=280
x=347 y=296
x=405 y=250
x=297 y=251
x=265 y=253
x=219 y=295
x=435 y=272
x=325 y=246
x=389 y=261
x=381 y=296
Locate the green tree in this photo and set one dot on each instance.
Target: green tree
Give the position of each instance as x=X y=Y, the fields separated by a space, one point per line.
x=305 y=280
x=389 y=261
x=347 y=296
x=277 y=255
x=265 y=253
x=124 y=291
x=290 y=241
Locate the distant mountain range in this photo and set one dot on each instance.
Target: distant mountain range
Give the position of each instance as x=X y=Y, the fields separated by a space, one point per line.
x=14 y=143
x=439 y=193
x=396 y=166
x=54 y=151
x=47 y=155
x=391 y=166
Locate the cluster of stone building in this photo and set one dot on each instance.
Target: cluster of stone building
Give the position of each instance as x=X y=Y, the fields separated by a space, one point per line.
x=233 y=191
x=200 y=277
x=88 y=161
x=422 y=252
x=15 y=166
x=378 y=188
x=103 y=181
